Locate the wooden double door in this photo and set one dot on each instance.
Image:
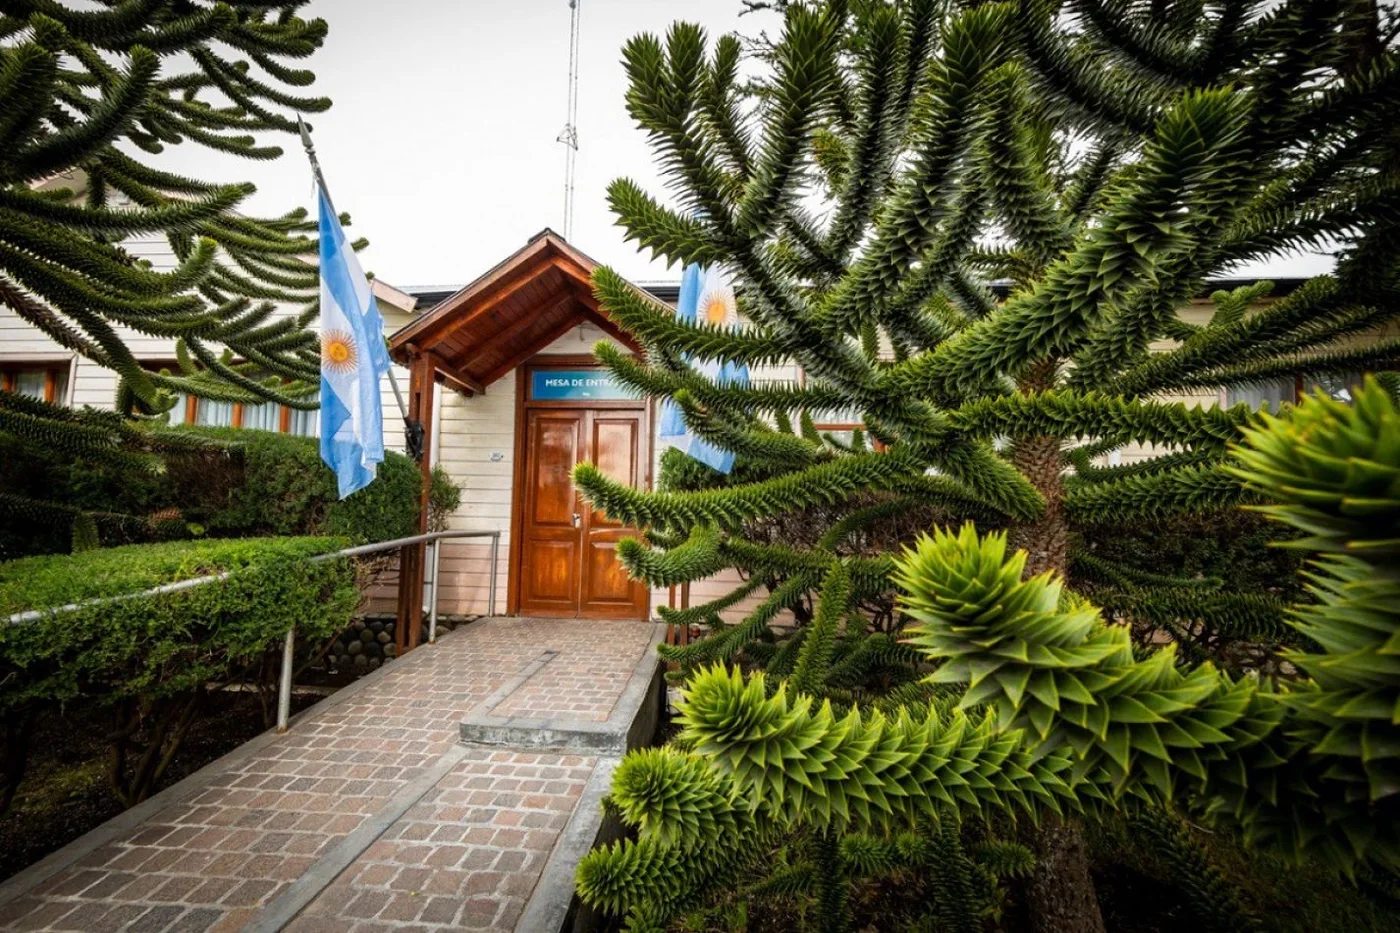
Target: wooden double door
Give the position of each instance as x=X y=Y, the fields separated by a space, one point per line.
x=567 y=564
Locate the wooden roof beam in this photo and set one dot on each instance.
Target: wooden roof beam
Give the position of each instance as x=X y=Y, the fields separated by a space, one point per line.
x=454 y=377
x=526 y=321
x=566 y=325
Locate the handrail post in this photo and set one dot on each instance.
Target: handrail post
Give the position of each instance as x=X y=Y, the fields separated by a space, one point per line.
x=491 y=589
x=437 y=585
x=284 y=685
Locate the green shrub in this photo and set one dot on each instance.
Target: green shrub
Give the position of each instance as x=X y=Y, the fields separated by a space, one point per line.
x=444 y=497
x=153 y=658
x=155 y=645
x=276 y=484
x=1234 y=547
x=253 y=483
x=49 y=581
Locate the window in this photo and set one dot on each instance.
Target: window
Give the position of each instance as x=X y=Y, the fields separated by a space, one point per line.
x=1340 y=387
x=265 y=416
x=1270 y=395
x=303 y=423
x=47 y=382
x=1289 y=389
x=841 y=425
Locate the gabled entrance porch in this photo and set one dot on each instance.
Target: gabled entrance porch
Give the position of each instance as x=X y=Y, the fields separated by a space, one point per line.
x=528 y=402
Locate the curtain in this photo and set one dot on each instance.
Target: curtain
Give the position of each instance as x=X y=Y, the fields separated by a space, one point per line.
x=212 y=414
x=305 y=423
x=264 y=417
x=182 y=405
x=31 y=382
x=1341 y=387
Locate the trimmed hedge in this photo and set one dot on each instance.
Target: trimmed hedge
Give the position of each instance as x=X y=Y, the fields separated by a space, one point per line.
x=153 y=647
x=276 y=484
x=249 y=483
x=152 y=659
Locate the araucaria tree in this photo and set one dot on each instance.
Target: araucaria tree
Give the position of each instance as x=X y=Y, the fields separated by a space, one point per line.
x=975 y=225
x=1056 y=713
x=91 y=95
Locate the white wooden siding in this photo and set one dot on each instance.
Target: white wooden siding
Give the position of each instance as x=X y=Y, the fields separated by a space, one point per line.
x=95 y=386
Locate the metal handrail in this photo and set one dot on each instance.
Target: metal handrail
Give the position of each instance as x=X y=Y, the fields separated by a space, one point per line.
x=284 y=686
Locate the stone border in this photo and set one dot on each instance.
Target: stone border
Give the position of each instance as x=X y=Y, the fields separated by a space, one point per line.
x=123 y=823
x=548 y=908
x=623 y=729
x=552 y=905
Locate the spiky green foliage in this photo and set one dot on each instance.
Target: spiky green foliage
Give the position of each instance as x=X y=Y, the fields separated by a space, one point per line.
x=985 y=231
x=83 y=89
x=1057 y=714
x=1104 y=161
x=1214 y=901
x=91 y=97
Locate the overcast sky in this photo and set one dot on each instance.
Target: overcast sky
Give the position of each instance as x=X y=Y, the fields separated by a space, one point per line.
x=441 y=143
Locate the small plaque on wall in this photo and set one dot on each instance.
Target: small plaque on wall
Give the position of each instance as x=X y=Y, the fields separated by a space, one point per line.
x=576 y=385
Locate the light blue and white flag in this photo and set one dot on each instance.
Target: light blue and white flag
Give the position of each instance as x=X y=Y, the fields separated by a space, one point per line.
x=353 y=359
x=705 y=297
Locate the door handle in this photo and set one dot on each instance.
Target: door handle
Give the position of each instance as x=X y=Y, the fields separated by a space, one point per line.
x=578 y=520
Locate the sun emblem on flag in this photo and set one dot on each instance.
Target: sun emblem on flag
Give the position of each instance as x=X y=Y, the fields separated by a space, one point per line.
x=338 y=351
x=718 y=307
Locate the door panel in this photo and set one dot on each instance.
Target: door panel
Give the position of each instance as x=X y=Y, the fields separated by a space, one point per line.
x=617 y=446
x=613 y=446
x=551 y=543
x=550 y=575
x=568 y=553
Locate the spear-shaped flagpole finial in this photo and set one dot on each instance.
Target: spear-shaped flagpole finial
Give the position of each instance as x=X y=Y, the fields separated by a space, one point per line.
x=310 y=148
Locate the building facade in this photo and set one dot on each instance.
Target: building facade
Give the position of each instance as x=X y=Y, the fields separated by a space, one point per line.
x=518 y=400
x=502 y=376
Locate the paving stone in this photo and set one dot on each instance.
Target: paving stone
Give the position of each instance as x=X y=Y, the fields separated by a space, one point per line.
x=40 y=915
x=440 y=910
x=195 y=921
x=156 y=919
x=471 y=848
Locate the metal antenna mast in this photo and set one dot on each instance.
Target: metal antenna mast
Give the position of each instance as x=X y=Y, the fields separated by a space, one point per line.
x=569 y=135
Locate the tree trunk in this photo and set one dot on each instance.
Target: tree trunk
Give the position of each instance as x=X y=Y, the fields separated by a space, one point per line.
x=168 y=721
x=1059 y=894
x=1046 y=540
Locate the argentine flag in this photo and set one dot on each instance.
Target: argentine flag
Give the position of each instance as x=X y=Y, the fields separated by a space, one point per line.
x=353 y=359
x=705 y=298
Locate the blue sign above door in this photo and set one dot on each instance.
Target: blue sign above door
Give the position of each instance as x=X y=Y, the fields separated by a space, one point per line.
x=576 y=385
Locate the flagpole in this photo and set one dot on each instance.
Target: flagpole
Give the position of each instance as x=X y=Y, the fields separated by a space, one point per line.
x=414 y=429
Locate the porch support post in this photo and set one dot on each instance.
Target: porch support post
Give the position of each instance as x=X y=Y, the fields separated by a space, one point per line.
x=413 y=557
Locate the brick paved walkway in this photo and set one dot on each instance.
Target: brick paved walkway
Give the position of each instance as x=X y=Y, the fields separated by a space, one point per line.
x=369 y=814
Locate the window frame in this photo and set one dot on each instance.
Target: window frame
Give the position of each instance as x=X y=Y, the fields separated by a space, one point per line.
x=52 y=370
x=1301 y=388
